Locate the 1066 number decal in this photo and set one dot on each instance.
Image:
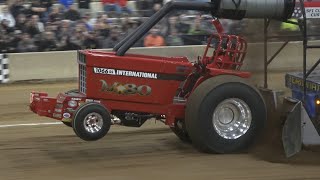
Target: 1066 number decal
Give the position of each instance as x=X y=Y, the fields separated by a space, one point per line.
x=125 y=89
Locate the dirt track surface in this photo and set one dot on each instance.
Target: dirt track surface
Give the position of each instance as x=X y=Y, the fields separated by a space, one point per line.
x=151 y=152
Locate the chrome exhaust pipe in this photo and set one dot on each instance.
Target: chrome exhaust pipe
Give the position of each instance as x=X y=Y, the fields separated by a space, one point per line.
x=239 y=9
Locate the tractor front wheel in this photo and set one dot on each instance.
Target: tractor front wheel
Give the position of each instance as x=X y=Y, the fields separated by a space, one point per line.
x=91 y=122
x=69 y=124
x=72 y=91
x=224 y=115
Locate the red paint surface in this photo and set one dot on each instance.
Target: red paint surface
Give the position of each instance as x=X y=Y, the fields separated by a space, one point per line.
x=224 y=59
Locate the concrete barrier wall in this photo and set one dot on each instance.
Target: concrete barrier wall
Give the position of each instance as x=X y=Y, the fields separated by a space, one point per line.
x=47 y=65
x=57 y=65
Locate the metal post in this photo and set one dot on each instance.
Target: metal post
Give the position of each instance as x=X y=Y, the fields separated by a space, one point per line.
x=265 y=53
x=305 y=44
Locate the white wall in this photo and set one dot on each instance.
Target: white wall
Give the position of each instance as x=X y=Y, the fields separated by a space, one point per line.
x=60 y=65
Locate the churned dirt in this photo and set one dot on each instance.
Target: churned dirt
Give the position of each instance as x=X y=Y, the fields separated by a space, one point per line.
x=270 y=148
x=151 y=152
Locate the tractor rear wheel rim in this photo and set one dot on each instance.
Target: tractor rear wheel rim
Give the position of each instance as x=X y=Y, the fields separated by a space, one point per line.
x=232 y=118
x=93 y=122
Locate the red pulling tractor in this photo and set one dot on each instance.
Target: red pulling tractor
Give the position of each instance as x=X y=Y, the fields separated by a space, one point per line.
x=208 y=103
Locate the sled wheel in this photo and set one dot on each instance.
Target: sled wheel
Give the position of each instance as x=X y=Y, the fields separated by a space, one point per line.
x=69 y=124
x=91 y=122
x=224 y=115
x=180 y=131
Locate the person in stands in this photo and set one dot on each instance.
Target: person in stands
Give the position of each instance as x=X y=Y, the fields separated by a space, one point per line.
x=154 y=38
x=111 y=6
x=34 y=26
x=39 y=9
x=66 y=3
x=17 y=8
x=112 y=40
x=72 y=14
x=124 y=7
x=6 y=15
x=26 y=44
x=55 y=15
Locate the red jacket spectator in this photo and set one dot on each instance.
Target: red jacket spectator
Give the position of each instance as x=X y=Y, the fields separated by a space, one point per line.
x=154 y=39
x=108 y=1
x=122 y=3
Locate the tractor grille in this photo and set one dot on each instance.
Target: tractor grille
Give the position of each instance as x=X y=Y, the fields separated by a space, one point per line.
x=83 y=78
x=81 y=58
x=82 y=72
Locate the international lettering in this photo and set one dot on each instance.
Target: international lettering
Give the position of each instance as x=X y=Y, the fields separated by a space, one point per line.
x=125 y=73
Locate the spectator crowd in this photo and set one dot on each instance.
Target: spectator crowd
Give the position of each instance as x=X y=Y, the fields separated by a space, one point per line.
x=47 y=25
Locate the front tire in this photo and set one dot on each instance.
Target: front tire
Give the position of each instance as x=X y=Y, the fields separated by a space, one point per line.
x=224 y=115
x=69 y=124
x=91 y=122
x=72 y=91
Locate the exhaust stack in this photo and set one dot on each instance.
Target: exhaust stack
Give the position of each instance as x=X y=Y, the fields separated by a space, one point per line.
x=239 y=9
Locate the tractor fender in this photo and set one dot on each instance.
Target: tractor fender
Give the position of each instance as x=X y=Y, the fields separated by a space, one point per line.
x=213 y=72
x=216 y=72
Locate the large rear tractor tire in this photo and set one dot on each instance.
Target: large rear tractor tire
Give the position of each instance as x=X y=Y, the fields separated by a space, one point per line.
x=91 y=122
x=225 y=115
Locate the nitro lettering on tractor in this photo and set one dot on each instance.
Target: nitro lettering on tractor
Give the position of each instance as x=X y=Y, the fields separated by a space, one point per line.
x=125 y=73
x=125 y=89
